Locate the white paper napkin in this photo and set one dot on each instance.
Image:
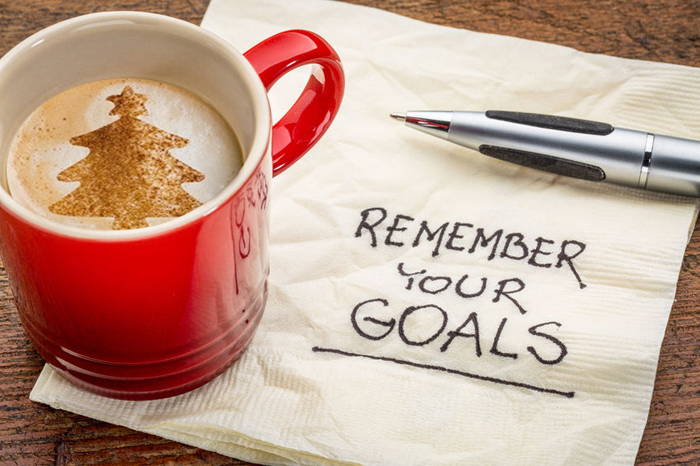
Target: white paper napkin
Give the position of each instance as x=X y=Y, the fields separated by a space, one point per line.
x=429 y=305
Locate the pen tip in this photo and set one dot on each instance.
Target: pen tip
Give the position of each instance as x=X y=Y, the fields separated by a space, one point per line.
x=398 y=116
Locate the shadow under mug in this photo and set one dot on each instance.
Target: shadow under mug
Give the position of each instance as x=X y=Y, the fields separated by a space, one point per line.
x=155 y=312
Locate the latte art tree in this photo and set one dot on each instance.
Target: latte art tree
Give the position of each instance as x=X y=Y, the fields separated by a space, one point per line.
x=129 y=173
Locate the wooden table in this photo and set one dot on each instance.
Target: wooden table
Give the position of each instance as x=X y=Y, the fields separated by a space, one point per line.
x=659 y=30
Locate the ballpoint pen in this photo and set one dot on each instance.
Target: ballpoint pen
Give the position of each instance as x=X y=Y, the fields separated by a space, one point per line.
x=571 y=147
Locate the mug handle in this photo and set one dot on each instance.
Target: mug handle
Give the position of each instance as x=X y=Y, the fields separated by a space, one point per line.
x=313 y=112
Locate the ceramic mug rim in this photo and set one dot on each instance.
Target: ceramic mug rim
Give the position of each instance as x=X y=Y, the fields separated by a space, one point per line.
x=115 y=19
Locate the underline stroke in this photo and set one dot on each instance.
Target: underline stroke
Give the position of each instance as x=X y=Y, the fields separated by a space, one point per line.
x=403 y=362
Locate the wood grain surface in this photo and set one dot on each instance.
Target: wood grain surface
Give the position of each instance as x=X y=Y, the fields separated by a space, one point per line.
x=658 y=30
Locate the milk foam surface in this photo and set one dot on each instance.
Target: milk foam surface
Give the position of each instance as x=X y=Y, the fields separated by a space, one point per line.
x=42 y=148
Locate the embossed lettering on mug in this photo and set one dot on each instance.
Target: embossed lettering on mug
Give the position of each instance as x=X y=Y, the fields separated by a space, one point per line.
x=121 y=154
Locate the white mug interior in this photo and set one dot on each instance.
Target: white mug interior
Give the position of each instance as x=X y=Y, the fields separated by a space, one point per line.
x=132 y=45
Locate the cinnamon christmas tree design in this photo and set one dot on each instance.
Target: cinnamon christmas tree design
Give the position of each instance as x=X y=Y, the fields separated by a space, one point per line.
x=129 y=173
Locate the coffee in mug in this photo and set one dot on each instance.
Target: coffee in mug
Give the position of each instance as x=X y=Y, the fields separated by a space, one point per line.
x=121 y=154
x=145 y=313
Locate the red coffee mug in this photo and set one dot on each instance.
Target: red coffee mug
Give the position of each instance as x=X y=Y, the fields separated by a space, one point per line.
x=158 y=311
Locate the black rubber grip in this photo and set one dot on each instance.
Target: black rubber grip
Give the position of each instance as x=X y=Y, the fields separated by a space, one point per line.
x=573 y=125
x=546 y=163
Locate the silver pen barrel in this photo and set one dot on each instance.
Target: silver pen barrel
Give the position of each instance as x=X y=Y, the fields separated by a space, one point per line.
x=571 y=147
